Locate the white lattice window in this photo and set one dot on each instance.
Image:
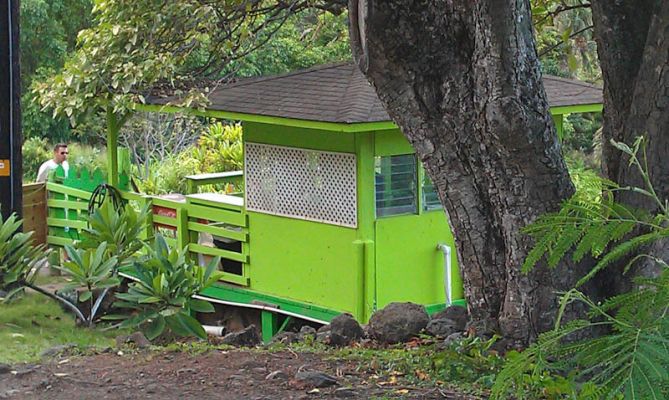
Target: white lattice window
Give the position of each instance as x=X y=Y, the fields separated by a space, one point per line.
x=300 y=183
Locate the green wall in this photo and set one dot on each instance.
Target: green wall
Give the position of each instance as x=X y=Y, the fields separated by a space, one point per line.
x=409 y=266
x=355 y=270
x=302 y=260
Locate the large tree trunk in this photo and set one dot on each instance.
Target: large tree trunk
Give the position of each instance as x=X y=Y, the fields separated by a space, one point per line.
x=633 y=45
x=462 y=80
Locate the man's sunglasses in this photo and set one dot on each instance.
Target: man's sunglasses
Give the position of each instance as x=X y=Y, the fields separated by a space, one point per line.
x=63 y=153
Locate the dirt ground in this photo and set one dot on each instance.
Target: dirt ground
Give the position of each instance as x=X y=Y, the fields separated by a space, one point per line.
x=216 y=374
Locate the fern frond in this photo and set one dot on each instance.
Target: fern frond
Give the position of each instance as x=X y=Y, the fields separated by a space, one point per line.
x=620 y=251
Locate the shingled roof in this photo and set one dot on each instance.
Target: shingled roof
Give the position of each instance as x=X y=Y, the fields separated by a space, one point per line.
x=339 y=93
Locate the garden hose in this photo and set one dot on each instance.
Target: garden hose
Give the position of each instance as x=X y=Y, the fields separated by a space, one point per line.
x=99 y=196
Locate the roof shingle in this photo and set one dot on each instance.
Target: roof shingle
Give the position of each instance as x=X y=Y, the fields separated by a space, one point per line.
x=340 y=93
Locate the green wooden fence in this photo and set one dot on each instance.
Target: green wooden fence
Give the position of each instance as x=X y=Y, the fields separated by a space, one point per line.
x=195 y=222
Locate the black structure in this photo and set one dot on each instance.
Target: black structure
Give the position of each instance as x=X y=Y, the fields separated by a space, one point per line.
x=11 y=198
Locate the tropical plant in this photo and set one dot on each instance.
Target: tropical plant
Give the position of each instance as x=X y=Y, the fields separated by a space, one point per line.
x=35 y=152
x=120 y=230
x=630 y=360
x=93 y=271
x=162 y=295
x=220 y=148
x=19 y=259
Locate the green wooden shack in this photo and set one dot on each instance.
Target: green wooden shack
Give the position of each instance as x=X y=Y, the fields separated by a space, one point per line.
x=337 y=214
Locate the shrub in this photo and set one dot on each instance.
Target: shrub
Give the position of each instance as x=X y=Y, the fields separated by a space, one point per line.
x=219 y=149
x=90 y=269
x=162 y=296
x=35 y=152
x=19 y=259
x=90 y=158
x=121 y=230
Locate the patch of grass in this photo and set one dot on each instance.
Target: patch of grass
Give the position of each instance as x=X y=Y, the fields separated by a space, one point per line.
x=33 y=323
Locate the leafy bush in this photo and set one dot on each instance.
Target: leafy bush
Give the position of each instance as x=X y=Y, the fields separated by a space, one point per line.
x=90 y=269
x=19 y=259
x=35 y=152
x=121 y=231
x=162 y=296
x=220 y=149
x=84 y=156
x=630 y=361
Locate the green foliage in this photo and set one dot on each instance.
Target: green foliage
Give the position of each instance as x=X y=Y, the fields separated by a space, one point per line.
x=35 y=152
x=90 y=269
x=590 y=225
x=564 y=38
x=629 y=361
x=19 y=259
x=169 y=174
x=579 y=131
x=162 y=294
x=49 y=29
x=120 y=230
x=219 y=148
x=306 y=39
x=87 y=157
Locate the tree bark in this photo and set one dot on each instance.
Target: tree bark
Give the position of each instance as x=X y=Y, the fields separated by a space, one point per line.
x=462 y=80
x=633 y=45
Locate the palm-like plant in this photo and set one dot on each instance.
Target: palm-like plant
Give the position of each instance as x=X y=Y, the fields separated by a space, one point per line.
x=121 y=230
x=90 y=269
x=162 y=295
x=19 y=259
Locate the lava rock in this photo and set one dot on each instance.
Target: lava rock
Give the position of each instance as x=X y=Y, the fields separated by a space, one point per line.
x=279 y=375
x=306 y=331
x=443 y=327
x=137 y=338
x=248 y=337
x=285 y=338
x=450 y=340
x=5 y=368
x=456 y=314
x=398 y=322
x=344 y=329
x=345 y=393
x=57 y=350
x=314 y=379
x=323 y=337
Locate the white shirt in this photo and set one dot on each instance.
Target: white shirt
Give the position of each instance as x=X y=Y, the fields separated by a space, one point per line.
x=47 y=167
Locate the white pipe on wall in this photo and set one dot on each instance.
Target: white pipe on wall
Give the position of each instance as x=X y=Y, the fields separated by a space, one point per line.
x=446 y=249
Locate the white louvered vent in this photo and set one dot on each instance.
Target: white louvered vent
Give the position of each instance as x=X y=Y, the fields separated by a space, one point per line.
x=299 y=183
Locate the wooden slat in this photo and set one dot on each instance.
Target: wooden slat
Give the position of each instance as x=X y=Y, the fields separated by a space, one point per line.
x=167 y=203
x=218 y=215
x=35 y=211
x=54 y=187
x=77 y=205
x=218 y=231
x=160 y=219
x=230 y=255
x=59 y=241
x=232 y=278
x=62 y=223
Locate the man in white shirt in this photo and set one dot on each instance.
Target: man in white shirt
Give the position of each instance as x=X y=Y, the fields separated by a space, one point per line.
x=59 y=158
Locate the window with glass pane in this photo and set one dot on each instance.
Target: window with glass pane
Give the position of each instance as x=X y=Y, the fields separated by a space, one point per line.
x=430 y=196
x=395 y=185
